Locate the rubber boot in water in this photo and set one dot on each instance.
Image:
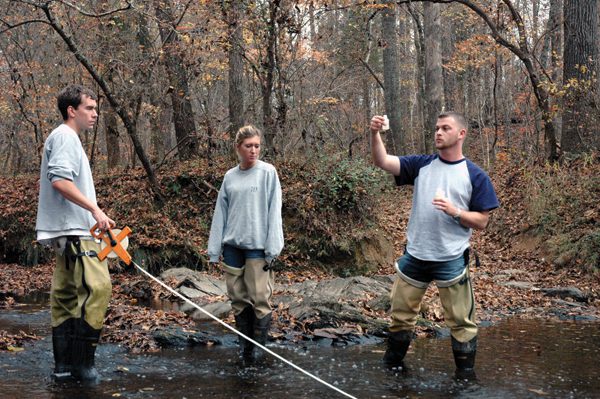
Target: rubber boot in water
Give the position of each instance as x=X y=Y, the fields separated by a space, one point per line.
x=62 y=337
x=84 y=350
x=261 y=334
x=245 y=324
x=397 y=346
x=464 y=358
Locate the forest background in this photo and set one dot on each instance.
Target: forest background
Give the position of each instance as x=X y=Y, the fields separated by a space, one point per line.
x=177 y=78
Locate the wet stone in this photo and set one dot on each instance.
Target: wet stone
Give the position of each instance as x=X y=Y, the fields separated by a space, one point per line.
x=218 y=309
x=195 y=283
x=566 y=292
x=380 y=303
x=524 y=285
x=177 y=337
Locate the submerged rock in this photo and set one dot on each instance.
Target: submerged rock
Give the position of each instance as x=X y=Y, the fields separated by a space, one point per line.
x=178 y=337
x=194 y=284
x=316 y=307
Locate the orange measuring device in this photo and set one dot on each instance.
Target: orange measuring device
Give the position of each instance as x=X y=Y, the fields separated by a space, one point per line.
x=113 y=242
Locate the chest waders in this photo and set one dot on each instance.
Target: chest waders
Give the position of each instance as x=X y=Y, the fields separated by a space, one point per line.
x=458 y=303
x=113 y=244
x=250 y=288
x=81 y=290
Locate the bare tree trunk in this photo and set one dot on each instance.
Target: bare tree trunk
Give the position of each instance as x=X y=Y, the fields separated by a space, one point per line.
x=452 y=35
x=183 y=114
x=112 y=139
x=419 y=41
x=22 y=97
x=495 y=95
x=580 y=129
x=155 y=100
x=552 y=55
x=522 y=51
x=535 y=18
x=391 y=77
x=233 y=11
x=266 y=74
x=129 y=123
x=556 y=16
x=406 y=104
x=282 y=105
x=267 y=81
x=434 y=80
x=311 y=22
x=111 y=131
x=366 y=77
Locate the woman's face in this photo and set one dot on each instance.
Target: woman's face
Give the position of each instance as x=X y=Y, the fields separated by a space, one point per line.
x=248 y=151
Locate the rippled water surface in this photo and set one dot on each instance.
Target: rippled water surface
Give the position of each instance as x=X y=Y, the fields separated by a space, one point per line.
x=516 y=359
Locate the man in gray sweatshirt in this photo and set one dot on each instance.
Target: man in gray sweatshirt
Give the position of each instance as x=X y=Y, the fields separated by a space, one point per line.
x=67 y=210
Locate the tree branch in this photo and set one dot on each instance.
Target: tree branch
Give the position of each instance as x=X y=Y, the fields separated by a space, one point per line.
x=125 y=116
x=485 y=17
x=10 y=27
x=520 y=25
x=372 y=73
x=174 y=25
x=94 y=15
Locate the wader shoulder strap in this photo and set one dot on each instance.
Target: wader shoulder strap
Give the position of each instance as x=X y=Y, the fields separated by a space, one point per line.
x=74 y=255
x=466 y=255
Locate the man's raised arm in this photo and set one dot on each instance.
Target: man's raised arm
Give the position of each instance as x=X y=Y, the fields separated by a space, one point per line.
x=389 y=163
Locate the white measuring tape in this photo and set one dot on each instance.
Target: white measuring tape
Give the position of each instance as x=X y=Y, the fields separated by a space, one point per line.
x=241 y=334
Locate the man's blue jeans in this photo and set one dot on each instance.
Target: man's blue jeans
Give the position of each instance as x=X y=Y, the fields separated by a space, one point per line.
x=455 y=290
x=420 y=272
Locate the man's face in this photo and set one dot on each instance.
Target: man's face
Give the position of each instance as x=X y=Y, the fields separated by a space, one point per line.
x=85 y=115
x=448 y=133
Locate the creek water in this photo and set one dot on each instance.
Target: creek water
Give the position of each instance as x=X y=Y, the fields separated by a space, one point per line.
x=516 y=359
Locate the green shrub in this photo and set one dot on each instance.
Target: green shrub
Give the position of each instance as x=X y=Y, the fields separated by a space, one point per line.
x=346 y=186
x=329 y=206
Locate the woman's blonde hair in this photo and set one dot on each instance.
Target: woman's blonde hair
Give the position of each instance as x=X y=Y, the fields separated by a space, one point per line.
x=245 y=132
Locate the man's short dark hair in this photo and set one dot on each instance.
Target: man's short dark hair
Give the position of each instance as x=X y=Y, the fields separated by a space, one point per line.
x=71 y=96
x=459 y=118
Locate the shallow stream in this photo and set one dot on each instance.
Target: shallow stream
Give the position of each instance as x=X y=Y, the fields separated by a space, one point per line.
x=516 y=359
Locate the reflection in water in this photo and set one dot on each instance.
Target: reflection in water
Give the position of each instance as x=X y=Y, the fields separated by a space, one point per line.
x=516 y=359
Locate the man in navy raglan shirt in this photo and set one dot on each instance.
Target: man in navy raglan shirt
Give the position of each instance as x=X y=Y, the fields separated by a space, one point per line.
x=451 y=197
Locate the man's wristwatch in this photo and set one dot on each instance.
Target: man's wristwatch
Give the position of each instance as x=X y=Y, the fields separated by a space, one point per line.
x=457 y=216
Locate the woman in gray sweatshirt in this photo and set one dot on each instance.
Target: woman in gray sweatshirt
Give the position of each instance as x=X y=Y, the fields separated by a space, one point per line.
x=247 y=231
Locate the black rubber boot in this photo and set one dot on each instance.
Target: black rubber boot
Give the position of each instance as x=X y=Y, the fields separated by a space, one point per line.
x=397 y=346
x=245 y=324
x=464 y=357
x=261 y=334
x=62 y=337
x=84 y=350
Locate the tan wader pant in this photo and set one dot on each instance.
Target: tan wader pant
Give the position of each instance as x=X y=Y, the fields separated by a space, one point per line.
x=250 y=285
x=80 y=288
x=457 y=301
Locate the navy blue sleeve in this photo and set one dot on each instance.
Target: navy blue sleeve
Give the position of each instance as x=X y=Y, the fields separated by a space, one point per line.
x=483 y=196
x=410 y=166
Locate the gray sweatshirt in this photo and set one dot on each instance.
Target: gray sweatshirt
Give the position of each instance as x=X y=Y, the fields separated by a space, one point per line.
x=248 y=212
x=64 y=158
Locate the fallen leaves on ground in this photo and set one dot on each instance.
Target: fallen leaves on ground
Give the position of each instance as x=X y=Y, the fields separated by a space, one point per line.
x=15 y=342
x=131 y=323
